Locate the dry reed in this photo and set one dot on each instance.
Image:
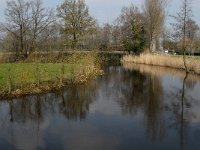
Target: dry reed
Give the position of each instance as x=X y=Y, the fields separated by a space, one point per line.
x=164 y=61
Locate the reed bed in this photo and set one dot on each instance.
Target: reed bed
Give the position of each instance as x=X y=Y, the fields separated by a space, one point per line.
x=193 y=64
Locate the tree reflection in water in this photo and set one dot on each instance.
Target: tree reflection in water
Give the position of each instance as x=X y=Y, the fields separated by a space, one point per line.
x=136 y=92
x=25 y=117
x=72 y=103
x=178 y=101
x=182 y=124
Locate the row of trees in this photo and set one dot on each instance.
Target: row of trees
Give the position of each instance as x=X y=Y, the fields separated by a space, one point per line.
x=134 y=29
x=138 y=29
x=29 y=27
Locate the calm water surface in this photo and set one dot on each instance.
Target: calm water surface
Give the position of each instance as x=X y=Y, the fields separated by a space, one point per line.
x=130 y=107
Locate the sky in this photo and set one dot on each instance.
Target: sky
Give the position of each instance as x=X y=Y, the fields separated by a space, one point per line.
x=108 y=10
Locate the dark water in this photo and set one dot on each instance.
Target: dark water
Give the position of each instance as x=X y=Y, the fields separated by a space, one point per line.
x=130 y=107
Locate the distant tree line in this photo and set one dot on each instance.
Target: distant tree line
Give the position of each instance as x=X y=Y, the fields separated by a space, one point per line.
x=135 y=29
x=30 y=27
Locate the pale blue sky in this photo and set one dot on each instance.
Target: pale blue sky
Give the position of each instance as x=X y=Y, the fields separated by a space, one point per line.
x=107 y=10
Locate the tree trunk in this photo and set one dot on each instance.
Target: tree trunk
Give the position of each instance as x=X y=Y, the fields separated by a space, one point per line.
x=184 y=38
x=153 y=45
x=21 y=40
x=74 y=41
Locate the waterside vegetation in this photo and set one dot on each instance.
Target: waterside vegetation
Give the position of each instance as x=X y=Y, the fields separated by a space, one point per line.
x=193 y=63
x=26 y=77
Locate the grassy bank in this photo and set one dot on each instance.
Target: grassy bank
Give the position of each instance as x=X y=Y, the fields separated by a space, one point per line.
x=164 y=61
x=27 y=77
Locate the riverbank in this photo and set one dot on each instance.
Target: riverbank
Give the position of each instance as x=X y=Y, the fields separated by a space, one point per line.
x=22 y=78
x=164 y=61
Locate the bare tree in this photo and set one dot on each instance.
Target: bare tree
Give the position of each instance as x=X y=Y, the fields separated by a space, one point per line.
x=76 y=20
x=116 y=35
x=40 y=19
x=25 y=21
x=49 y=39
x=17 y=16
x=106 y=36
x=155 y=16
x=191 y=34
x=181 y=27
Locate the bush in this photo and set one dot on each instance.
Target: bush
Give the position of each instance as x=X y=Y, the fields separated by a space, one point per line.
x=135 y=46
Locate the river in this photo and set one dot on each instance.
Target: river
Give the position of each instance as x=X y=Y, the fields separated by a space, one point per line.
x=129 y=107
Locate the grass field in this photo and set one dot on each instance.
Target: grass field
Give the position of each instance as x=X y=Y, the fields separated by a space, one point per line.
x=36 y=75
x=26 y=74
x=29 y=78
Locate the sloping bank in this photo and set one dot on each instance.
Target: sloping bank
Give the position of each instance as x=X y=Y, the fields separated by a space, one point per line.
x=17 y=79
x=193 y=63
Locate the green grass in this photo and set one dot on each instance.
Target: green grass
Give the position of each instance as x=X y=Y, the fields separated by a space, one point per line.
x=35 y=76
x=23 y=74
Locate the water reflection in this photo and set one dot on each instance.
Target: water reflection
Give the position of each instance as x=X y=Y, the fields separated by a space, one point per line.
x=73 y=103
x=183 y=97
x=182 y=128
x=134 y=106
x=138 y=92
x=76 y=100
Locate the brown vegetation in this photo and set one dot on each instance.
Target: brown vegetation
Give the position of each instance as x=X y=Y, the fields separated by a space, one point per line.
x=164 y=61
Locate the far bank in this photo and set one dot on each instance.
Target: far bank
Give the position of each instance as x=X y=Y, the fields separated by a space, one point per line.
x=193 y=63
